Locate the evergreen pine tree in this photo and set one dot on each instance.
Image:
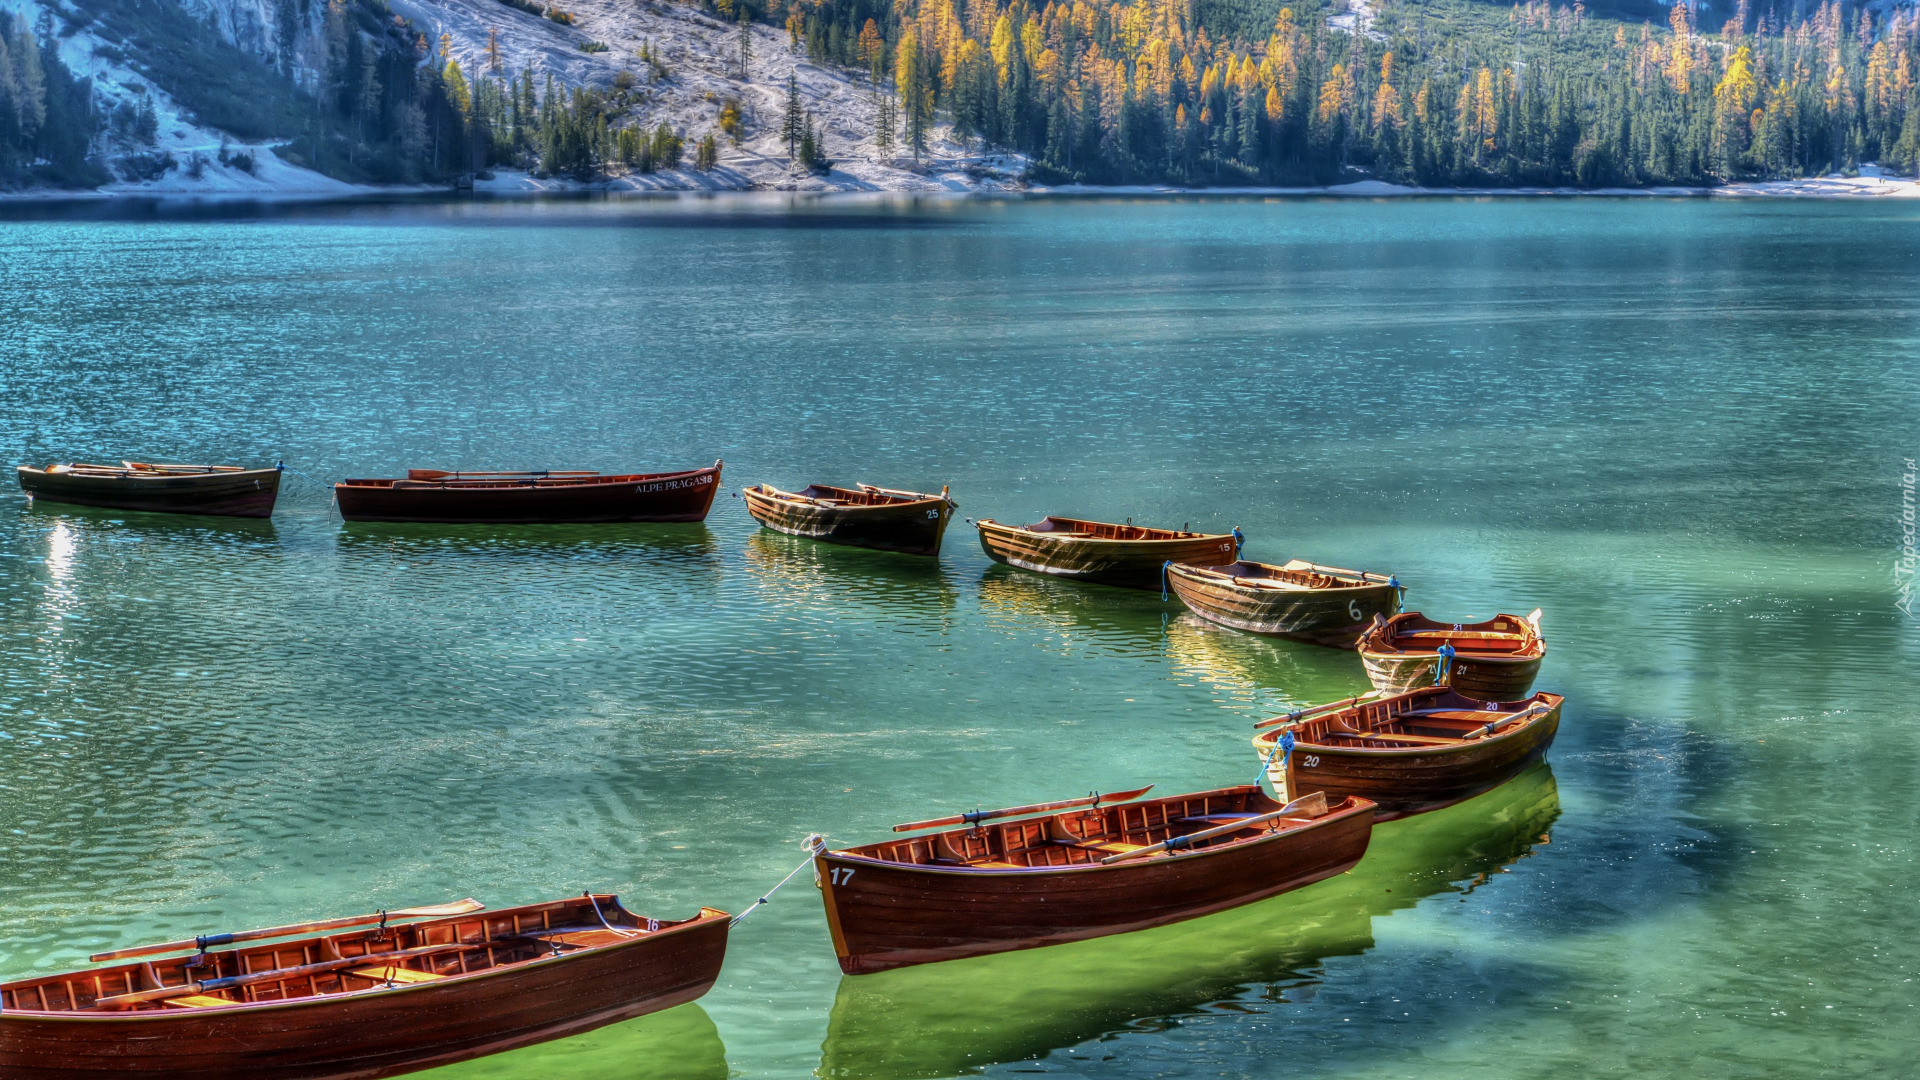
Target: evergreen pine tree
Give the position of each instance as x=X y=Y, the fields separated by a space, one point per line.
x=745 y=45
x=794 y=124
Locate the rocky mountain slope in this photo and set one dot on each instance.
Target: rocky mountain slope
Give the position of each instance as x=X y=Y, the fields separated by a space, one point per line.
x=693 y=71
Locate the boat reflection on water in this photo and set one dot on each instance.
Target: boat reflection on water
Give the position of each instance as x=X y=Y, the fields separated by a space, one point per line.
x=1247 y=668
x=801 y=576
x=678 y=1044
x=1109 y=620
x=188 y=528
x=690 y=543
x=940 y=1020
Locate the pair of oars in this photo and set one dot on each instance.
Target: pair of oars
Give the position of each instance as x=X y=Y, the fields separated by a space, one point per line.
x=979 y=816
x=231 y=982
x=207 y=941
x=1306 y=806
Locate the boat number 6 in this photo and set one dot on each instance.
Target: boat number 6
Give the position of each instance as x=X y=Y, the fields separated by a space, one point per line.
x=1309 y=762
x=1353 y=609
x=841 y=874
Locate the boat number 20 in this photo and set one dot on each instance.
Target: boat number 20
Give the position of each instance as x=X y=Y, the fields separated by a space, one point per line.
x=1308 y=762
x=841 y=874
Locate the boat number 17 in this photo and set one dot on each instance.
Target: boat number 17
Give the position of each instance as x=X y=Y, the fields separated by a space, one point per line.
x=841 y=874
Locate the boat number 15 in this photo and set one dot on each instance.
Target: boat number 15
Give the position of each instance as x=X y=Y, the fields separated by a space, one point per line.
x=841 y=874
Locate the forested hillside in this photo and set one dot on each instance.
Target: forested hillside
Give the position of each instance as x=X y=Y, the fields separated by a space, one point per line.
x=1194 y=92
x=1438 y=92
x=46 y=114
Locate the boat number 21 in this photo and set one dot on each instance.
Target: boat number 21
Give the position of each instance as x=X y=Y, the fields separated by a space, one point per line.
x=841 y=874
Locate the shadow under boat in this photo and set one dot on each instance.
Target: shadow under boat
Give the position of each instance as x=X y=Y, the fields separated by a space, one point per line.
x=803 y=573
x=679 y=1044
x=940 y=1020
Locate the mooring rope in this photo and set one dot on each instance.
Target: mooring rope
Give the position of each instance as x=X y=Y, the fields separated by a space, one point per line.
x=1282 y=746
x=1446 y=664
x=815 y=844
x=333 y=497
x=1163 y=580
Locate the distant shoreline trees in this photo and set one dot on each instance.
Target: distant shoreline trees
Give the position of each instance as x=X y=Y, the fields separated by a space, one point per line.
x=1440 y=92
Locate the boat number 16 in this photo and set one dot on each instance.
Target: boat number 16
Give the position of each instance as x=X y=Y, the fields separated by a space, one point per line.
x=841 y=874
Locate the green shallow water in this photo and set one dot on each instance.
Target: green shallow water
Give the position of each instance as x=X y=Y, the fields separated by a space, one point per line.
x=1678 y=427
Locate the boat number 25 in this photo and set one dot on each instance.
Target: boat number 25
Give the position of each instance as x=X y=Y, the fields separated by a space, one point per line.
x=1308 y=762
x=933 y=515
x=841 y=874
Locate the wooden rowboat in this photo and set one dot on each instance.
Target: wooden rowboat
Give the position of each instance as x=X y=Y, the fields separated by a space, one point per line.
x=1495 y=660
x=374 y=1001
x=1306 y=601
x=864 y=516
x=1126 y=555
x=1411 y=752
x=530 y=498
x=1089 y=871
x=216 y=490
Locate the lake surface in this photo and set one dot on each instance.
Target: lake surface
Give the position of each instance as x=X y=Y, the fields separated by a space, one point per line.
x=1677 y=426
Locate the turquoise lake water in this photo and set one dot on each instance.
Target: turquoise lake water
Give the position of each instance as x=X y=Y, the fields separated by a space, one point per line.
x=1677 y=426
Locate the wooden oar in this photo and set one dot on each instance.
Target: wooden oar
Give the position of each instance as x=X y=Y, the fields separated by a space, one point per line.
x=1305 y=806
x=1503 y=719
x=205 y=942
x=202 y=986
x=1015 y=811
x=1301 y=714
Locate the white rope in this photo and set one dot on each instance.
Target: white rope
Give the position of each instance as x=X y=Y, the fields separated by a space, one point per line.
x=815 y=844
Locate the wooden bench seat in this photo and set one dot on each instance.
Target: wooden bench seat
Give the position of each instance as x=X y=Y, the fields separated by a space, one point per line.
x=1415 y=740
x=394 y=974
x=199 y=1001
x=1109 y=847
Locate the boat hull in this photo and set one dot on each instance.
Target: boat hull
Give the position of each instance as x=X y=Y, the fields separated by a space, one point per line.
x=887 y=915
x=1334 y=617
x=912 y=528
x=1476 y=677
x=378 y=1033
x=248 y=494
x=1129 y=564
x=1404 y=781
x=659 y=497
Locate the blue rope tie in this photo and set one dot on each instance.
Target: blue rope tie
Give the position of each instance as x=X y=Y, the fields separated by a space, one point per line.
x=1446 y=665
x=1282 y=746
x=1163 y=580
x=1239 y=538
x=1399 y=594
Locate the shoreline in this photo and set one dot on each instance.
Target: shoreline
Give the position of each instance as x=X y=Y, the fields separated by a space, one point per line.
x=522 y=187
